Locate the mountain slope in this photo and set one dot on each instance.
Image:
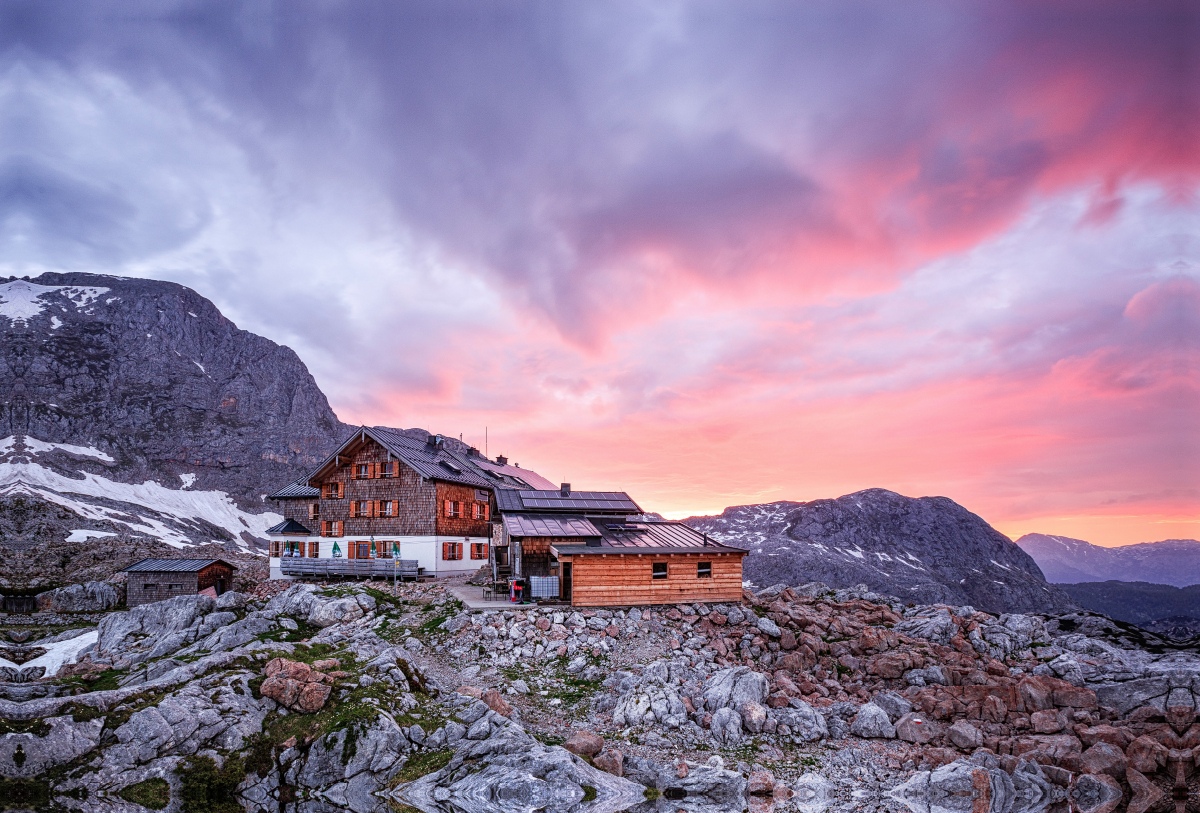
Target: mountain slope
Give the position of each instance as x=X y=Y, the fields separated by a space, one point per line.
x=1067 y=561
x=133 y=408
x=1136 y=602
x=927 y=550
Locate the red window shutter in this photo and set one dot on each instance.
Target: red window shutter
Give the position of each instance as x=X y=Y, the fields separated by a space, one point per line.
x=445 y=550
x=487 y=511
x=395 y=508
x=449 y=508
x=370 y=508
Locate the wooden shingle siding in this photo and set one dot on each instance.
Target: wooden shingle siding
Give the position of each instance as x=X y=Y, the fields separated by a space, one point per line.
x=626 y=579
x=414 y=502
x=463 y=523
x=144 y=587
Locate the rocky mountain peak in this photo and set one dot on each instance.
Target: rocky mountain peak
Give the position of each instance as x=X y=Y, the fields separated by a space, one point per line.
x=926 y=549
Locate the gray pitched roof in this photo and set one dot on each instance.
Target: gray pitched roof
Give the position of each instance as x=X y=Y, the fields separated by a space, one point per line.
x=526 y=525
x=575 y=502
x=289 y=526
x=639 y=536
x=173 y=565
x=436 y=462
x=299 y=490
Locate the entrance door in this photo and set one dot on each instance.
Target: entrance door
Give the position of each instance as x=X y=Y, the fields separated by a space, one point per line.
x=565 y=581
x=220 y=587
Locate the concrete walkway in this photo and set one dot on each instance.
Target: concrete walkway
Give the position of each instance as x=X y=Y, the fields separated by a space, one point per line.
x=471 y=595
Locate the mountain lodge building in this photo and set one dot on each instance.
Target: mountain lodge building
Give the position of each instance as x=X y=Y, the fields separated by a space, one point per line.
x=385 y=494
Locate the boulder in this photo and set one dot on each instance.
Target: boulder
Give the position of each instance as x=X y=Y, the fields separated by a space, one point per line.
x=916 y=727
x=965 y=736
x=1146 y=755
x=760 y=783
x=1046 y=722
x=803 y=720
x=726 y=727
x=1097 y=793
x=610 y=761
x=585 y=743
x=92 y=597
x=232 y=601
x=872 y=723
x=768 y=627
x=1105 y=758
x=895 y=705
x=958 y=786
x=754 y=717
x=496 y=702
x=155 y=622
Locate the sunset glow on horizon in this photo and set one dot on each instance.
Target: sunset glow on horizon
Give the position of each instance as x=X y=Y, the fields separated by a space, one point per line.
x=711 y=254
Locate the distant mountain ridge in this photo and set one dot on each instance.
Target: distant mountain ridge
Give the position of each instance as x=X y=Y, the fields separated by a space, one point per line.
x=928 y=550
x=1064 y=560
x=1138 y=603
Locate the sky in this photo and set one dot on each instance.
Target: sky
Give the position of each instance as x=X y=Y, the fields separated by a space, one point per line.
x=710 y=253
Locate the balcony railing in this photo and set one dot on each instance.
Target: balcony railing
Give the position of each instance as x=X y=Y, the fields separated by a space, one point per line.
x=350 y=568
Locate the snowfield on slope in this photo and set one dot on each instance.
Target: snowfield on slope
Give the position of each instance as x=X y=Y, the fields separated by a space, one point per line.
x=182 y=507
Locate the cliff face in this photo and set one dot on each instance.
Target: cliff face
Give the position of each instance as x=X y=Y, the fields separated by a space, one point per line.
x=139 y=409
x=927 y=550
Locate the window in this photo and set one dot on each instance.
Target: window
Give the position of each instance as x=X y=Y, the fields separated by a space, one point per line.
x=453 y=508
x=479 y=550
x=276 y=547
x=361 y=508
x=703 y=570
x=387 y=508
x=314 y=549
x=362 y=471
x=659 y=570
x=364 y=550
x=174 y=586
x=331 y=528
x=332 y=491
x=314 y=510
x=147 y=586
x=452 y=551
x=475 y=512
x=388 y=469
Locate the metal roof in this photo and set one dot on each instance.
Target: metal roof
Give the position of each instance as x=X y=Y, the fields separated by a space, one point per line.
x=289 y=526
x=299 y=490
x=575 y=502
x=507 y=476
x=639 y=536
x=174 y=565
x=527 y=525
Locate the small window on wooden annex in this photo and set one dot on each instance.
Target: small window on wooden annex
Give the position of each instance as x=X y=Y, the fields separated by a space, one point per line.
x=703 y=570
x=659 y=570
x=174 y=586
x=148 y=586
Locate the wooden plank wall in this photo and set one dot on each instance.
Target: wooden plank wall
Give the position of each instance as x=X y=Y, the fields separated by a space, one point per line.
x=600 y=580
x=136 y=593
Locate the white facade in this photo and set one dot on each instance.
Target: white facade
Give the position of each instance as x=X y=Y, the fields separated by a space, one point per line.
x=427 y=550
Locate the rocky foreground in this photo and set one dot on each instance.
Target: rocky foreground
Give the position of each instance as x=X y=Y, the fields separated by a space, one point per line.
x=353 y=698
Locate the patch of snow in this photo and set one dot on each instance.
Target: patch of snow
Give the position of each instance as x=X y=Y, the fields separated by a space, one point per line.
x=857 y=554
x=83 y=535
x=997 y=564
x=189 y=313
x=186 y=508
x=7 y=444
x=188 y=479
x=21 y=300
x=59 y=653
x=201 y=366
x=40 y=446
x=55 y=323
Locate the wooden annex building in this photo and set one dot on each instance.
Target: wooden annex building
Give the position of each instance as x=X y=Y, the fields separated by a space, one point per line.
x=158 y=579
x=598 y=549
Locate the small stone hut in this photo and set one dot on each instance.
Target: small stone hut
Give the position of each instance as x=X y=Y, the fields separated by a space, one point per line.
x=158 y=579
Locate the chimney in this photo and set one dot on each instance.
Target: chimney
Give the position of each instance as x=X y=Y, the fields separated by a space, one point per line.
x=501 y=460
x=565 y=489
